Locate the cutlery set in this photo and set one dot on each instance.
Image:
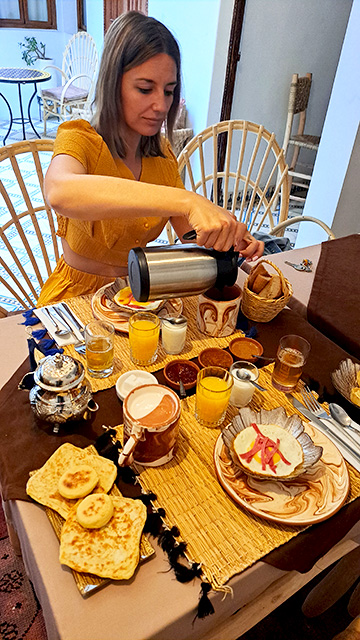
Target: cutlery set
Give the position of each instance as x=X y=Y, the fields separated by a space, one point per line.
x=65 y=325
x=313 y=410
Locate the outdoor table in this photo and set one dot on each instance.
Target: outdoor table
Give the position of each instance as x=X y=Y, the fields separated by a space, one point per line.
x=19 y=76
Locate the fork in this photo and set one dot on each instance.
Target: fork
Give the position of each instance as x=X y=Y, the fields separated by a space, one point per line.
x=314 y=405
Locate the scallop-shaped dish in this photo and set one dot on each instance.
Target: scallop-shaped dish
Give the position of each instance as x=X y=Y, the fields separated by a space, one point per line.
x=345 y=379
x=291 y=424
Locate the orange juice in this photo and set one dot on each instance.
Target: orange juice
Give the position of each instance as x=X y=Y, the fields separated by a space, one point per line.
x=144 y=337
x=212 y=396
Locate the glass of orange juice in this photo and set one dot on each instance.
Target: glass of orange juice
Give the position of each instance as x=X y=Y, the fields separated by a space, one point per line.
x=144 y=330
x=213 y=390
x=99 y=345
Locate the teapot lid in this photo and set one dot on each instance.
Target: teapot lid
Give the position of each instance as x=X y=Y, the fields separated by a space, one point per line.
x=59 y=372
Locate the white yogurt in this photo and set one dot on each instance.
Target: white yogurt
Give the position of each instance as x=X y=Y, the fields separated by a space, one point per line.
x=173 y=336
x=243 y=391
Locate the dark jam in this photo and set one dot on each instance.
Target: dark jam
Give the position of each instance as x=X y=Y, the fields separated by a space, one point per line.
x=187 y=373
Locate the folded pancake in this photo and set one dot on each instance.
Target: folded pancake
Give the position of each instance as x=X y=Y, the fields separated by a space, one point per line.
x=42 y=486
x=267 y=450
x=110 y=552
x=95 y=510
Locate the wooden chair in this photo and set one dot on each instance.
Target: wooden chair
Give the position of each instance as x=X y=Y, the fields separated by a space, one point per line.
x=79 y=68
x=253 y=183
x=298 y=102
x=29 y=247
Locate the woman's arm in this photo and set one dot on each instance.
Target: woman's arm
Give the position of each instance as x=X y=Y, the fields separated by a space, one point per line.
x=74 y=194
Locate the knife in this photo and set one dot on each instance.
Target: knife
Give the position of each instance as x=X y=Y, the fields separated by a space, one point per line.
x=70 y=325
x=66 y=311
x=333 y=436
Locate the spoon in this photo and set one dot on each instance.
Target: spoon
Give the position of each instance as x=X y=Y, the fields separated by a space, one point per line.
x=59 y=332
x=339 y=414
x=254 y=355
x=245 y=375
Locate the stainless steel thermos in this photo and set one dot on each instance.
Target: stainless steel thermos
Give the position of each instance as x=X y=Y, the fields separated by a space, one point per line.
x=179 y=270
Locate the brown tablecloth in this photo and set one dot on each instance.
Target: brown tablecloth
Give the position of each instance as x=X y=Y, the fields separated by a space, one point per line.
x=334 y=301
x=26 y=444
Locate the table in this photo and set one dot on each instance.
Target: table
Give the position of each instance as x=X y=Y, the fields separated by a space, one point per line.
x=153 y=604
x=19 y=76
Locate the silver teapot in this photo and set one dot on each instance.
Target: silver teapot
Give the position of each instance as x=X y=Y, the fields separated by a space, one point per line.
x=58 y=390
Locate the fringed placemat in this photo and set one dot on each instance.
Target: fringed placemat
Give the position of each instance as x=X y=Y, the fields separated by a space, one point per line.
x=220 y=535
x=195 y=342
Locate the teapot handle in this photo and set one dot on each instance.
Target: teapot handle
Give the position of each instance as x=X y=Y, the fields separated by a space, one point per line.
x=27 y=382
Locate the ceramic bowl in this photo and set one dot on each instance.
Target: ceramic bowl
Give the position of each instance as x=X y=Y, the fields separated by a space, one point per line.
x=132 y=379
x=187 y=369
x=215 y=357
x=278 y=416
x=246 y=349
x=344 y=378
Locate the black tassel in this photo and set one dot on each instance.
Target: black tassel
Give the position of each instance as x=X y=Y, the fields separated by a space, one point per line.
x=127 y=475
x=186 y=574
x=167 y=540
x=104 y=440
x=153 y=524
x=146 y=498
x=205 y=607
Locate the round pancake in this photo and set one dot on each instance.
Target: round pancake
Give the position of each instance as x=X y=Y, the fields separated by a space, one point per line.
x=289 y=447
x=78 y=481
x=95 y=511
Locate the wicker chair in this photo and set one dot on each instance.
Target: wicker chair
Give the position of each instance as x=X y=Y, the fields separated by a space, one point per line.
x=79 y=68
x=29 y=246
x=298 y=103
x=251 y=184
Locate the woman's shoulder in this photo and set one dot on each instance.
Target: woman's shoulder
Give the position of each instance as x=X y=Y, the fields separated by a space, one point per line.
x=83 y=127
x=80 y=140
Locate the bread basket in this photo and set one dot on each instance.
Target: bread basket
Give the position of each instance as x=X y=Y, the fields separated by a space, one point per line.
x=262 y=309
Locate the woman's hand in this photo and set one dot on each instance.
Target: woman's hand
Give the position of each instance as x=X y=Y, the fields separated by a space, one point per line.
x=218 y=229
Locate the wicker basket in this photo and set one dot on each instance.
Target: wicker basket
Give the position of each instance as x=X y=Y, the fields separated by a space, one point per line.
x=261 y=309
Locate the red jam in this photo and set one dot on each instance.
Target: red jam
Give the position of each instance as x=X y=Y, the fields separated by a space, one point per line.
x=188 y=374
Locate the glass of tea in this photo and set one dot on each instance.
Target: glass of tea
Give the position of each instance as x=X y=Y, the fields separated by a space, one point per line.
x=291 y=356
x=99 y=345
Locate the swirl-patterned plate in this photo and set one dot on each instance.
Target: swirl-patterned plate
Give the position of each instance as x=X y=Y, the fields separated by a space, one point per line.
x=310 y=498
x=103 y=309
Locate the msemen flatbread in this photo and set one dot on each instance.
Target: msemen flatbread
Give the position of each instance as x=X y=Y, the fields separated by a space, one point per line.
x=110 y=552
x=78 y=481
x=42 y=486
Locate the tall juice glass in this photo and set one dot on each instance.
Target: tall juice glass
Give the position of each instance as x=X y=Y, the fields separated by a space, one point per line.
x=144 y=330
x=290 y=358
x=99 y=345
x=213 y=390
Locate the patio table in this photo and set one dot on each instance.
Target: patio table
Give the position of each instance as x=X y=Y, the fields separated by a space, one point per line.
x=20 y=76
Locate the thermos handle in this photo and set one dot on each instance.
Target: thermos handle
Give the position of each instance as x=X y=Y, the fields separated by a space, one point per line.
x=189 y=235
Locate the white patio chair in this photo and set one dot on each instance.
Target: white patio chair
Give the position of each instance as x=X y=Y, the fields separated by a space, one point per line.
x=79 y=69
x=29 y=247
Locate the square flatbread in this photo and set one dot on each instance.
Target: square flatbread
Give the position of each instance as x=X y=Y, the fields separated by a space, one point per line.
x=42 y=486
x=110 y=552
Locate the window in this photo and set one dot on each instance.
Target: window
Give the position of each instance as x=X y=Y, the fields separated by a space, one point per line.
x=30 y=14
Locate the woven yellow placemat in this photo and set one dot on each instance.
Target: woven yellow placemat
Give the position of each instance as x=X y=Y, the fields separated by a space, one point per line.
x=222 y=536
x=195 y=342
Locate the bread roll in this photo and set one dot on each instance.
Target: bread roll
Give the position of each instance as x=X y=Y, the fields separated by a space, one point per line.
x=272 y=289
x=95 y=510
x=258 y=278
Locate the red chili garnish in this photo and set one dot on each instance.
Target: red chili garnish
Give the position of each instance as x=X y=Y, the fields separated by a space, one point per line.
x=268 y=449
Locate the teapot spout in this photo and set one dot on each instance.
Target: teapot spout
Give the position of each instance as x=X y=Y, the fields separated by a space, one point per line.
x=27 y=382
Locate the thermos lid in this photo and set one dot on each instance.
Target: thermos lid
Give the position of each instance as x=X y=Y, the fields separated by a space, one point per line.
x=139 y=276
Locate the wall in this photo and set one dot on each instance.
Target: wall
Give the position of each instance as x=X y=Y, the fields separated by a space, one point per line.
x=347 y=218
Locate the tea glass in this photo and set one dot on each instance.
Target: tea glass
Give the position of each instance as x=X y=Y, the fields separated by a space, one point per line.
x=99 y=344
x=291 y=356
x=144 y=330
x=213 y=390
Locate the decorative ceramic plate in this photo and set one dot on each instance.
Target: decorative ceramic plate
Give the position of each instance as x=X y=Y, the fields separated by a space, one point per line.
x=125 y=300
x=344 y=378
x=103 y=309
x=310 y=498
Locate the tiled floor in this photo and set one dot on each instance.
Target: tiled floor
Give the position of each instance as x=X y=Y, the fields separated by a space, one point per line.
x=7 y=300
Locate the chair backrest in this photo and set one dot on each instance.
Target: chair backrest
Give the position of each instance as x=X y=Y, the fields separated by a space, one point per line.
x=80 y=58
x=29 y=247
x=298 y=102
x=253 y=177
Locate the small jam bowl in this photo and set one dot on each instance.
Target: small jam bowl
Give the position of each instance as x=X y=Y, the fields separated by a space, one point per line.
x=246 y=349
x=187 y=369
x=215 y=357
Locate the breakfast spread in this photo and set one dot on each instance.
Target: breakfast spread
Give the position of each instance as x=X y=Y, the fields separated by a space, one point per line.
x=264 y=284
x=111 y=551
x=43 y=485
x=268 y=450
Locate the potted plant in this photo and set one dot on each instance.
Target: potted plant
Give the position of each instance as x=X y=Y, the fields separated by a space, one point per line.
x=32 y=51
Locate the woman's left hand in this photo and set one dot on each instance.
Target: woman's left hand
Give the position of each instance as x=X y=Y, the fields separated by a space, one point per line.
x=248 y=247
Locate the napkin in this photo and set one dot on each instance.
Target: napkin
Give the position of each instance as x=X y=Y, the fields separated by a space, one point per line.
x=354 y=460
x=73 y=338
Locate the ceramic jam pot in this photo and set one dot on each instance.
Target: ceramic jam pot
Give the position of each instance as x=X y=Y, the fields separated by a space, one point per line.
x=58 y=389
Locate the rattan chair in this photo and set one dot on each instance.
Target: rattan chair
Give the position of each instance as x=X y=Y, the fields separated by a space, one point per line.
x=78 y=73
x=298 y=102
x=29 y=247
x=253 y=183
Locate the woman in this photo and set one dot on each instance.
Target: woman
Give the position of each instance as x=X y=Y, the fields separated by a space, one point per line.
x=114 y=183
